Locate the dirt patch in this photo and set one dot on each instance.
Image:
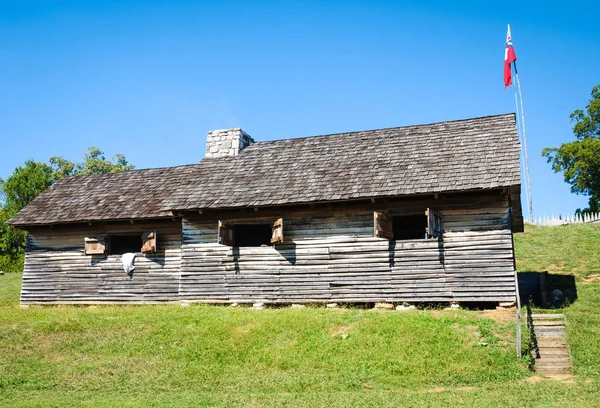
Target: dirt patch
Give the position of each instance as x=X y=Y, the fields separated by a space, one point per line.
x=54 y=358
x=500 y=315
x=245 y=328
x=342 y=331
x=534 y=379
x=554 y=268
x=470 y=330
x=591 y=279
x=440 y=313
x=442 y=389
x=565 y=378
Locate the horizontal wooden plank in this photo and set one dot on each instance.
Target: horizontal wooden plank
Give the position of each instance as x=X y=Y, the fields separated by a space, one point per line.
x=328 y=256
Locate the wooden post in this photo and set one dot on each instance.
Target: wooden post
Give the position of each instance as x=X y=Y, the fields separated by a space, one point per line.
x=518 y=333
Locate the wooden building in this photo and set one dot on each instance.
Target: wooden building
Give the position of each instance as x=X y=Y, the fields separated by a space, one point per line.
x=410 y=214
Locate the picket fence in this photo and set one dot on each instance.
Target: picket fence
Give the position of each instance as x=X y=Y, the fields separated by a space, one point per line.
x=566 y=219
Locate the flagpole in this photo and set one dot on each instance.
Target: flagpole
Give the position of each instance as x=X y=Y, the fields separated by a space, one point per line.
x=521 y=141
x=529 y=197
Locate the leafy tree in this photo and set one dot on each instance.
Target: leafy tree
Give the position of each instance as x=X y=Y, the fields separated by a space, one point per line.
x=16 y=192
x=61 y=167
x=580 y=160
x=95 y=163
x=27 y=182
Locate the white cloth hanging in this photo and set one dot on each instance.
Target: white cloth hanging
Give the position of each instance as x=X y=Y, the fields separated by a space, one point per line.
x=127 y=260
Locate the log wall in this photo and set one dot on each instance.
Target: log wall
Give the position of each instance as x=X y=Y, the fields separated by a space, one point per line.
x=328 y=255
x=331 y=256
x=57 y=270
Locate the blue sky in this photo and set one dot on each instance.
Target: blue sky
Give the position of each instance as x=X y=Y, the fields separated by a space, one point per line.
x=149 y=79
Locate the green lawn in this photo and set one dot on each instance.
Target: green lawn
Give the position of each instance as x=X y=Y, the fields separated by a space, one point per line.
x=570 y=250
x=222 y=356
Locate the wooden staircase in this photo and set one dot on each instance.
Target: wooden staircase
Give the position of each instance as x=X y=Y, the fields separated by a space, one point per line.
x=548 y=344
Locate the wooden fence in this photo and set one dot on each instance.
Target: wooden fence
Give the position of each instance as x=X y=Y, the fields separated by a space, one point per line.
x=566 y=219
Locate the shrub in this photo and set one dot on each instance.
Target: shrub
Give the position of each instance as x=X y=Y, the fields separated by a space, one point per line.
x=12 y=263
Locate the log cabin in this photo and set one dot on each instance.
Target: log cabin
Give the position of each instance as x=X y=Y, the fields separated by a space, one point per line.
x=409 y=214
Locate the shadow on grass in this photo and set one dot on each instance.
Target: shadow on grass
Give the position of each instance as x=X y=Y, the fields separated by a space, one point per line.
x=546 y=290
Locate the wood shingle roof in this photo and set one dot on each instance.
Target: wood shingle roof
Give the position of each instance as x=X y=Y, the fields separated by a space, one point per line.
x=472 y=154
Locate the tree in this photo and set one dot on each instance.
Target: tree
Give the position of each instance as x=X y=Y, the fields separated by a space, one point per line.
x=580 y=160
x=27 y=182
x=95 y=163
x=16 y=192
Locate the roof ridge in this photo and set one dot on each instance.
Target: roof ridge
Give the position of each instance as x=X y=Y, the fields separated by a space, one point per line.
x=80 y=176
x=385 y=128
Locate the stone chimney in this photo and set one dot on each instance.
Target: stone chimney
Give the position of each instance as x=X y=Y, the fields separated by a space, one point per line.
x=226 y=142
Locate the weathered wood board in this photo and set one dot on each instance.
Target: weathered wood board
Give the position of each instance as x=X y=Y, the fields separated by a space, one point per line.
x=332 y=256
x=326 y=255
x=57 y=270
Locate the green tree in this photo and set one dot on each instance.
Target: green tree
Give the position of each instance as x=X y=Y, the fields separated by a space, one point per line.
x=95 y=163
x=27 y=182
x=16 y=192
x=579 y=160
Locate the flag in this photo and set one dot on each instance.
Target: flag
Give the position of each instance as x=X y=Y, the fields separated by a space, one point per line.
x=509 y=57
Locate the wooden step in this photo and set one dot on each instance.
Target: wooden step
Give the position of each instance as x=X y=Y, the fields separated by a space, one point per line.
x=553 y=361
x=552 y=350
x=550 y=338
x=549 y=332
x=543 y=329
x=535 y=316
x=553 y=370
x=552 y=353
x=554 y=344
x=548 y=323
x=558 y=352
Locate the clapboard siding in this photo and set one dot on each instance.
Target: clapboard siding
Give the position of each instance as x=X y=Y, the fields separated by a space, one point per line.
x=332 y=256
x=57 y=270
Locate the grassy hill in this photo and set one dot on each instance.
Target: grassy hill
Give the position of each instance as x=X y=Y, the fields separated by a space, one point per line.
x=223 y=356
x=570 y=250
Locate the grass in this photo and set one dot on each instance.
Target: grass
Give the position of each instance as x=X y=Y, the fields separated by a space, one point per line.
x=570 y=250
x=567 y=249
x=223 y=356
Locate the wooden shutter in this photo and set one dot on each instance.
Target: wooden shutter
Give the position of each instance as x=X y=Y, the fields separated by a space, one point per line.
x=95 y=245
x=382 y=221
x=149 y=241
x=225 y=233
x=277 y=236
x=434 y=223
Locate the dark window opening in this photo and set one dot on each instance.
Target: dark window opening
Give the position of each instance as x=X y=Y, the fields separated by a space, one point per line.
x=121 y=244
x=248 y=235
x=410 y=226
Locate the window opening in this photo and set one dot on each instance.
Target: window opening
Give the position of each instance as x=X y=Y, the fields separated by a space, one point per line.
x=409 y=226
x=252 y=235
x=121 y=244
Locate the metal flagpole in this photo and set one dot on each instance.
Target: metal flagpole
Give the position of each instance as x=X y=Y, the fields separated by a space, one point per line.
x=518 y=314
x=522 y=156
x=524 y=144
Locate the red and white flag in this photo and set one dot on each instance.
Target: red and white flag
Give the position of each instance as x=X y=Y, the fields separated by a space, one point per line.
x=509 y=58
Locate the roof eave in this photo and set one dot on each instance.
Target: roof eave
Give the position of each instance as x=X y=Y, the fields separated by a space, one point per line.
x=363 y=198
